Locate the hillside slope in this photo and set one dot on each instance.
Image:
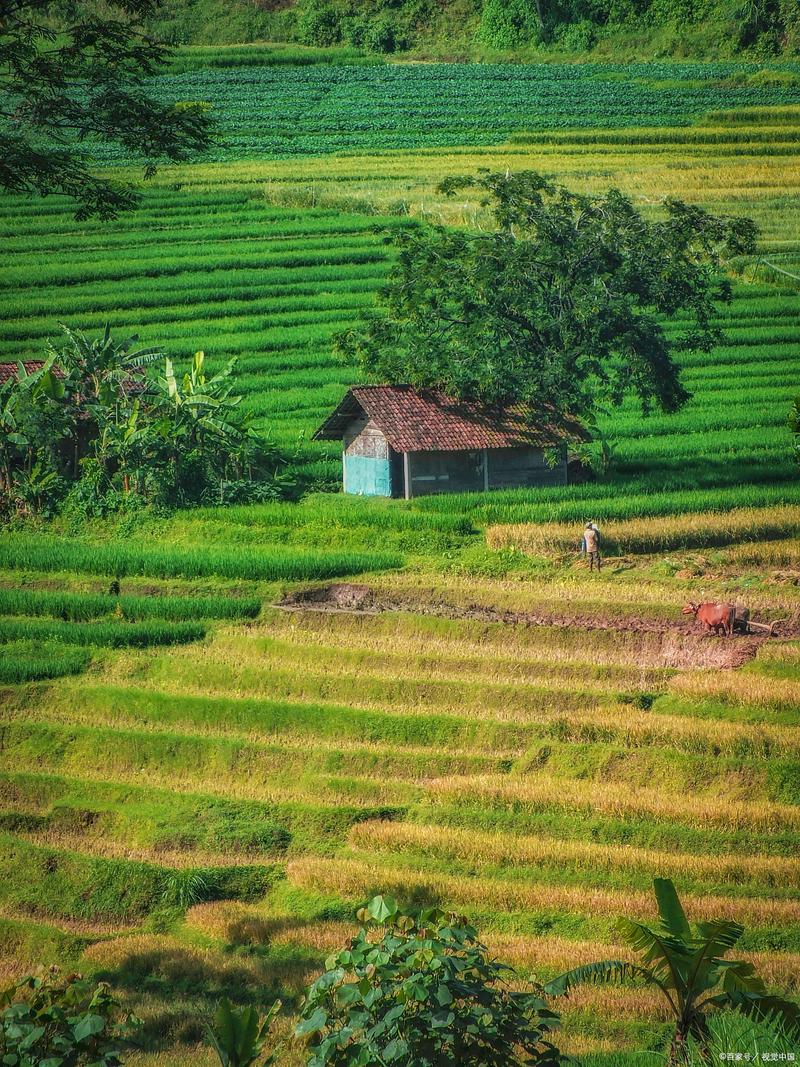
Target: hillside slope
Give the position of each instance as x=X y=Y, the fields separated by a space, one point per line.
x=518 y=29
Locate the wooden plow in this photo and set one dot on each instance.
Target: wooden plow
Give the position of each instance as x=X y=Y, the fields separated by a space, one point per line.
x=743 y=624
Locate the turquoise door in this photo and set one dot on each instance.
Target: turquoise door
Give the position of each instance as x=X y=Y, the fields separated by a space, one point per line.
x=367 y=476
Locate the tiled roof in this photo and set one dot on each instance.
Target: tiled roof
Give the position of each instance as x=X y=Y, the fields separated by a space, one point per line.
x=132 y=385
x=9 y=370
x=426 y=420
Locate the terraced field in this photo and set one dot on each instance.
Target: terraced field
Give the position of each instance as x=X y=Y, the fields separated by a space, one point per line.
x=200 y=778
x=208 y=262
x=203 y=819
x=288 y=111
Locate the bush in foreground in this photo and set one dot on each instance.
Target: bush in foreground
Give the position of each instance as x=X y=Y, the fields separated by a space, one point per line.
x=424 y=991
x=62 y=1022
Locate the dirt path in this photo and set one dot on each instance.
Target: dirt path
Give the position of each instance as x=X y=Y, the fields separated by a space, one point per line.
x=680 y=645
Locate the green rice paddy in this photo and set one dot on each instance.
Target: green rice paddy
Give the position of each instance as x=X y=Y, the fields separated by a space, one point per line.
x=198 y=787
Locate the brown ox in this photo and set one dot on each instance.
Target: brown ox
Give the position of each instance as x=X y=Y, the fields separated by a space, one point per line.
x=717 y=618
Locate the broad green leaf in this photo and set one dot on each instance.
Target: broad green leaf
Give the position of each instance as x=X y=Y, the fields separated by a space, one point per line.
x=670 y=909
x=313 y=1024
x=88 y=1026
x=381 y=908
x=443 y=995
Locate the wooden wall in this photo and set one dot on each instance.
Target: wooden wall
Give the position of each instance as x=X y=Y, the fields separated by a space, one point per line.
x=373 y=468
x=367 y=460
x=510 y=468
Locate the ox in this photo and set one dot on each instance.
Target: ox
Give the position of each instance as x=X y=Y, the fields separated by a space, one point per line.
x=717 y=618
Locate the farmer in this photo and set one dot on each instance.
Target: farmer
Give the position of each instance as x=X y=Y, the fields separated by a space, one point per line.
x=590 y=545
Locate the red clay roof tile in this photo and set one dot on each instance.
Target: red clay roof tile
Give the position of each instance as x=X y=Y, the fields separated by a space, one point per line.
x=426 y=420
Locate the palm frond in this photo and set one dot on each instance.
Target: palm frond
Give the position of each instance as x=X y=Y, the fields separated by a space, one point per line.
x=664 y=952
x=720 y=934
x=763 y=1006
x=601 y=973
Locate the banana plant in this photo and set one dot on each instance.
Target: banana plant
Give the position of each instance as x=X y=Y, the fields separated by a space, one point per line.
x=686 y=963
x=98 y=369
x=238 y=1035
x=31 y=420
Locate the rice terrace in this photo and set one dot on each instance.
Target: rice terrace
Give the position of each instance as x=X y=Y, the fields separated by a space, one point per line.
x=399 y=533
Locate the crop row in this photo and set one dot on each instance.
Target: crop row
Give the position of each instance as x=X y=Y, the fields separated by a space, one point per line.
x=111 y=634
x=82 y=607
x=323 y=109
x=546 y=505
x=659 y=534
x=26 y=661
x=46 y=553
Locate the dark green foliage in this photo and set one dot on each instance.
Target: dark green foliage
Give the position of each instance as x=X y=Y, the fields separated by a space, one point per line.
x=508 y=24
x=794 y=426
x=377 y=26
x=81 y=607
x=106 y=634
x=62 y=1022
x=427 y=993
x=460 y=28
x=561 y=307
x=80 y=80
x=90 y=418
x=688 y=965
x=238 y=1035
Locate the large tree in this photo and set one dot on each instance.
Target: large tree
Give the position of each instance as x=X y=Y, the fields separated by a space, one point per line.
x=562 y=305
x=72 y=73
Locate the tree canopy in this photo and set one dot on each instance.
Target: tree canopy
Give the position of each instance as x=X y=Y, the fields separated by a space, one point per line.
x=561 y=306
x=70 y=74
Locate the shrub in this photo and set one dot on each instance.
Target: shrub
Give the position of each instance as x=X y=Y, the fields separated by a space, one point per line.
x=320 y=24
x=62 y=1023
x=508 y=24
x=427 y=993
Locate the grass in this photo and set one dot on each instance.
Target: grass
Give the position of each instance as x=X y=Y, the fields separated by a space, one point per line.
x=657 y=533
x=83 y=607
x=189 y=822
x=355 y=879
x=27 y=661
x=469 y=849
x=102 y=634
x=53 y=882
x=121 y=560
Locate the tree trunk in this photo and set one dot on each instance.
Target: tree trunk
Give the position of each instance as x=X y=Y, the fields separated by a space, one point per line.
x=678 y=1050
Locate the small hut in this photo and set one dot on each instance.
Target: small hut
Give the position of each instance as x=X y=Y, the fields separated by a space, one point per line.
x=404 y=442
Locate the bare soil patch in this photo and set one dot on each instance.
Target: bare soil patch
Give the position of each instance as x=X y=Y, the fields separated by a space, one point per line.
x=671 y=642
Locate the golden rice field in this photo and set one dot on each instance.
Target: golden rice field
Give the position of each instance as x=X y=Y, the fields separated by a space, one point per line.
x=204 y=819
x=501 y=733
